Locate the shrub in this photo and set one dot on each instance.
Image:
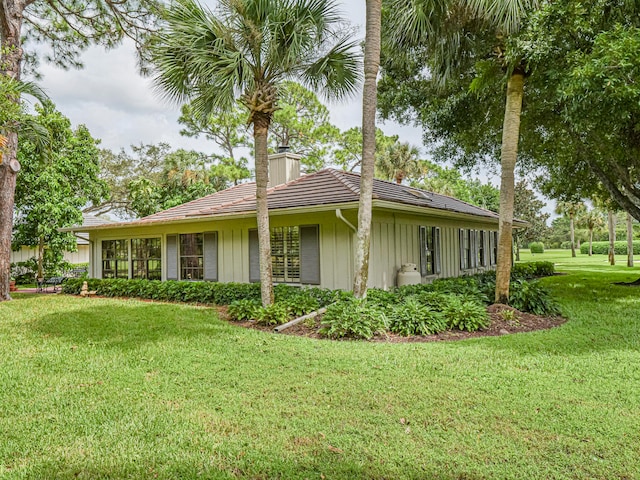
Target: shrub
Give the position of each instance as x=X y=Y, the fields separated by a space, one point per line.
x=602 y=248
x=415 y=318
x=536 y=247
x=466 y=315
x=532 y=297
x=301 y=305
x=353 y=318
x=274 y=314
x=172 y=291
x=532 y=269
x=244 y=309
x=381 y=298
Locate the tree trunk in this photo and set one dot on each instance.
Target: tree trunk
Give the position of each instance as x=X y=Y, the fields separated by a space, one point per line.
x=629 y=240
x=508 y=155
x=611 y=221
x=517 y=242
x=590 y=241
x=572 y=235
x=371 y=66
x=41 y=258
x=10 y=59
x=260 y=130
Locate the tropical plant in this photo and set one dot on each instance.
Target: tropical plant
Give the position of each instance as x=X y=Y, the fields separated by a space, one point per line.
x=246 y=49
x=67 y=29
x=591 y=220
x=412 y=317
x=397 y=162
x=353 y=318
x=571 y=209
x=455 y=35
x=372 y=46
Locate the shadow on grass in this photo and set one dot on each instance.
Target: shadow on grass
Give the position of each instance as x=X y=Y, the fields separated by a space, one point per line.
x=129 y=325
x=325 y=466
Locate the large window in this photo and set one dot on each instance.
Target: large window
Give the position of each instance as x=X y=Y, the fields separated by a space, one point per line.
x=146 y=258
x=429 y=251
x=191 y=259
x=285 y=254
x=115 y=259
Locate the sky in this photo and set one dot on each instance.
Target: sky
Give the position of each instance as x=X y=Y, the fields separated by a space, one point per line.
x=121 y=108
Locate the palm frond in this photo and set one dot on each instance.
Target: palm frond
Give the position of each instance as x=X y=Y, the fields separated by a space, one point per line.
x=505 y=15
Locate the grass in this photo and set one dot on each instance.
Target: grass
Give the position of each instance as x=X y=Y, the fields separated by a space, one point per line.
x=106 y=388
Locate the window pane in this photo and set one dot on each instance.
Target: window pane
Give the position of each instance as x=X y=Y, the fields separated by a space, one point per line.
x=115 y=261
x=191 y=259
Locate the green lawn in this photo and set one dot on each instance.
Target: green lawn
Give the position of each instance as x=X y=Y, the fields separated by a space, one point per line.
x=100 y=388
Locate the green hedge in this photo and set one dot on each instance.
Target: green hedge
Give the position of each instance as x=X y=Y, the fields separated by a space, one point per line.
x=192 y=292
x=528 y=270
x=602 y=248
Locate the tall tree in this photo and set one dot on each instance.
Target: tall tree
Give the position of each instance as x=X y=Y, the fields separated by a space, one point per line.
x=455 y=38
x=302 y=124
x=13 y=119
x=248 y=48
x=348 y=150
x=55 y=183
x=571 y=209
x=227 y=128
x=68 y=29
x=367 y=168
x=591 y=219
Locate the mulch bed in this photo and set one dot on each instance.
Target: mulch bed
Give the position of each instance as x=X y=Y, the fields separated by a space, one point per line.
x=517 y=322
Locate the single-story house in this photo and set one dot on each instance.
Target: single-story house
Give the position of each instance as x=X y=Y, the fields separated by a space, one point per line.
x=313 y=234
x=81 y=255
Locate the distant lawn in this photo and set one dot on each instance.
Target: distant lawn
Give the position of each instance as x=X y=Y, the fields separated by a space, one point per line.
x=100 y=388
x=564 y=261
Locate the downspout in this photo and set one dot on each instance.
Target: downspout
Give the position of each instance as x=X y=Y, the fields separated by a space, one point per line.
x=347 y=222
x=353 y=229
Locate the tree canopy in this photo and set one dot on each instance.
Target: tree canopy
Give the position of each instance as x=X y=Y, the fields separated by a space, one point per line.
x=55 y=184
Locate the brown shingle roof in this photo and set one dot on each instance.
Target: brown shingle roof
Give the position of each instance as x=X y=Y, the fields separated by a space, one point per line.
x=326 y=187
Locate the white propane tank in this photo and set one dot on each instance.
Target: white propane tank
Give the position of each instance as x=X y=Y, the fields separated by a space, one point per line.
x=409 y=275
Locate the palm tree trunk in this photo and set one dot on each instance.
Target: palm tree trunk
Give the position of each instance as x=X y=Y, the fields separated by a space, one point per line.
x=508 y=155
x=590 y=241
x=629 y=240
x=10 y=59
x=371 y=66
x=611 y=221
x=572 y=235
x=260 y=130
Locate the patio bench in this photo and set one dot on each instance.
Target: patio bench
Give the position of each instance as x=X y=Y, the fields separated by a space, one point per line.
x=53 y=282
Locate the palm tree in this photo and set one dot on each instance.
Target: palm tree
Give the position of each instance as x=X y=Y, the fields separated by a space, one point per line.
x=571 y=210
x=398 y=161
x=367 y=169
x=246 y=49
x=439 y=25
x=591 y=219
x=13 y=119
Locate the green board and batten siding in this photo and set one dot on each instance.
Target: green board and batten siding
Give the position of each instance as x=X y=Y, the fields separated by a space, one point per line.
x=395 y=241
